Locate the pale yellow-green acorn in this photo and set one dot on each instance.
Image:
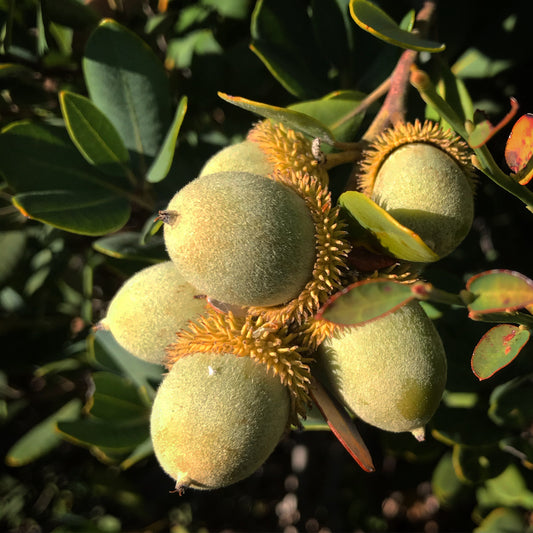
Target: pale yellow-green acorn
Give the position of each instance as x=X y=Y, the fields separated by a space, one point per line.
x=241 y=238
x=148 y=310
x=245 y=156
x=216 y=418
x=422 y=176
x=390 y=372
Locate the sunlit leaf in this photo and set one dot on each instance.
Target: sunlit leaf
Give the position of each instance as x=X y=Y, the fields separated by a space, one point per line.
x=364 y=301
x=497 y=348
x=292 y=119
x=519 y=146
x=43 y=437
x=93 y=134
x=160 y=167
x=399 y=241
x=500 y=290
x=335 y=111
x=372 y=19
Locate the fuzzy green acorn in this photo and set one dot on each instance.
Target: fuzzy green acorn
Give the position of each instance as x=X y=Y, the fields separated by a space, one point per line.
x=423 y=177
x=149 y=308
x=245 y=156
x=241 y=238
x=390 y=372
x=216 y=418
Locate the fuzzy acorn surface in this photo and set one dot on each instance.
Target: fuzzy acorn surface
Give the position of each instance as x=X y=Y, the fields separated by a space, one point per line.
x=245 y=156
x=423 y=188
x=148 y=310
x=390 y=372
x=216 y=418
x=241 y=238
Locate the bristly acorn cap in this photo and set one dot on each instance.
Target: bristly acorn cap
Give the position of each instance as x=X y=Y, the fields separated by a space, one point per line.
x=407 y=133
x=266 y=343
x=295 y=166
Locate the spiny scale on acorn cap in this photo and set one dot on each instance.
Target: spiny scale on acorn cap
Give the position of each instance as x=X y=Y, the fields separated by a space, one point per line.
x=422 y=175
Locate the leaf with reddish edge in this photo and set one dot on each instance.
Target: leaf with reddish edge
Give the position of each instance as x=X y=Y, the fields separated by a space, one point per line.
x=500 y=290
x=497 y=348
x=364 y=301
x=483 y=130
x=519 y=147
x=342 y=426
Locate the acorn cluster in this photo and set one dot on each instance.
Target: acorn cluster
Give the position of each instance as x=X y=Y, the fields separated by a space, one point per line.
x=256 y=248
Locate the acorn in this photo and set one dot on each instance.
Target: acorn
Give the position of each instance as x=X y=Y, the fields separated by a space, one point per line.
x=245 y=156
x=422 y=176
x=390 y=372
x=216 y=418
x=149 y=308
x=241 y=238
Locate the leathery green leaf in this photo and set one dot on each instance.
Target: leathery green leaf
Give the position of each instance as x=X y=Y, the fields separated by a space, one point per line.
x=497 y=348
x=500 y=290
x=56 y=185
x=396 y=239
x=364 y=301
x=128 y=83
x=93 y=134
x=292 y=119
x=43 y=437
x=372 y=19
x=105 y=433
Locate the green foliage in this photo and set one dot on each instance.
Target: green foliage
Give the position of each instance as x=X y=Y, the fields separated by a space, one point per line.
x=107 y=109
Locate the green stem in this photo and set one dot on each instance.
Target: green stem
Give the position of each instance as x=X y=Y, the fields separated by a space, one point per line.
x=426 y=291
x=515 y=317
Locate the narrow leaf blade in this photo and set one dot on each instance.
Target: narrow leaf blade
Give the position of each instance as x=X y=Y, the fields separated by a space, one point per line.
x=43 y=437
x=292 y=119
x=342 y=426
x=93 y=134
x=372 y=19
x=160 y=167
